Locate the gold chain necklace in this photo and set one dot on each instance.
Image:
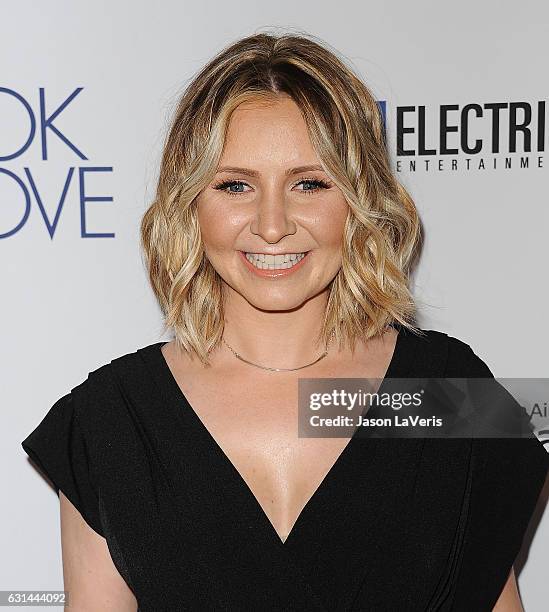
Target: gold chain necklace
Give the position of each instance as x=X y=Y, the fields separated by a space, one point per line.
x=257 y=365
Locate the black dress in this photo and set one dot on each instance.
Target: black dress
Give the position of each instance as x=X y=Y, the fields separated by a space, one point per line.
x=396 y=524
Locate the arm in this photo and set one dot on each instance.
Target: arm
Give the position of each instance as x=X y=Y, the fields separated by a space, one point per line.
x=509 y=600
x=90 y=577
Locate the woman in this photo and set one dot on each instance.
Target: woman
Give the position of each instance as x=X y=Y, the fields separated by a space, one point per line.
x=279 y=246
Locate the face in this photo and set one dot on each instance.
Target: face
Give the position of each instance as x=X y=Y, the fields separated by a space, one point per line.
x=272 y=220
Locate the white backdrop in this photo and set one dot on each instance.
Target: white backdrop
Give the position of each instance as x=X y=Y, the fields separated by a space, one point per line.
x=74 y=299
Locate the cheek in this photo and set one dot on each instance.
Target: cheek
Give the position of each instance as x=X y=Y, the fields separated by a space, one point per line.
x=331 y=224
x=218 y=229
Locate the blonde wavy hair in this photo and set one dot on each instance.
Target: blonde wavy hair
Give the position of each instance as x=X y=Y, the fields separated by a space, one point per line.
x=382 y=231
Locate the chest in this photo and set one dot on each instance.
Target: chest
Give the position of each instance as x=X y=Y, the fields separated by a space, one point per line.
x=192 y=535
x=256 y=427
x=252 y=416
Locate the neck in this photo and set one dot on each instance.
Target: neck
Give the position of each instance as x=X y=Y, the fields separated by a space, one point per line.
x=284 y=339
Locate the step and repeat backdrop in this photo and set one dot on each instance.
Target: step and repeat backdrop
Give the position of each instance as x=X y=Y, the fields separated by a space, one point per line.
x=86 y=95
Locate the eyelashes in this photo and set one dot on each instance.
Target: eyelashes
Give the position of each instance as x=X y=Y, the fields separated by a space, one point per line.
x=318 y=185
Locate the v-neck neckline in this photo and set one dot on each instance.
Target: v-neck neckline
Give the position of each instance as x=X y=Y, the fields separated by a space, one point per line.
x=396 y=368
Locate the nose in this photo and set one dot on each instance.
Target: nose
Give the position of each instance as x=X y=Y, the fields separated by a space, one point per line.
x=271 y=220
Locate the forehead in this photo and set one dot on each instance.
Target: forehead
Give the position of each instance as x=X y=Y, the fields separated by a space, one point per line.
x=269 y=132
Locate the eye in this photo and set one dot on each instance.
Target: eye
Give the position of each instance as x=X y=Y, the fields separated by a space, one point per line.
x=317 y=185
x=224 y=185
x=313 y=185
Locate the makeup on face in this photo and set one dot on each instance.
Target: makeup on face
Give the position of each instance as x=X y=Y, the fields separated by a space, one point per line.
x=271 y=219
x=274 y=265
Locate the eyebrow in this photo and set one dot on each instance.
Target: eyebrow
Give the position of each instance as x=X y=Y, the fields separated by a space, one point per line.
x=254 y=173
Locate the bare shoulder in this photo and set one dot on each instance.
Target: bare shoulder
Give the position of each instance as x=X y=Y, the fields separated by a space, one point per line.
x=89 y=574
x=374 y=355
x=179 y=361
x=389 y=339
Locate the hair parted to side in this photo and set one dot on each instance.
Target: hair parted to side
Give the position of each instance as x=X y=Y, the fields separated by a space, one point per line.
x=382 y=232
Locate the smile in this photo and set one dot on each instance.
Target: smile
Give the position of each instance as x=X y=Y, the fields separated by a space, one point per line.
x=274 y=262
x=274 y=265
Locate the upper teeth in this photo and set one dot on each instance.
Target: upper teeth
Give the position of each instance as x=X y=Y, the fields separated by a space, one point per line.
x=274 y=262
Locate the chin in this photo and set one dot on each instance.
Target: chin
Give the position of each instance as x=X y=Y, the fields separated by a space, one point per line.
x=275 y=302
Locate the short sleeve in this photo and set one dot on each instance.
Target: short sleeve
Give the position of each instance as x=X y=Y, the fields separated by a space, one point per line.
x=509 y=476
x=58 y=447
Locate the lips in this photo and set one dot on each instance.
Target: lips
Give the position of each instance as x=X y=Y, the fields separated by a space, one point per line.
x=264 y=261
x=274 y=266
